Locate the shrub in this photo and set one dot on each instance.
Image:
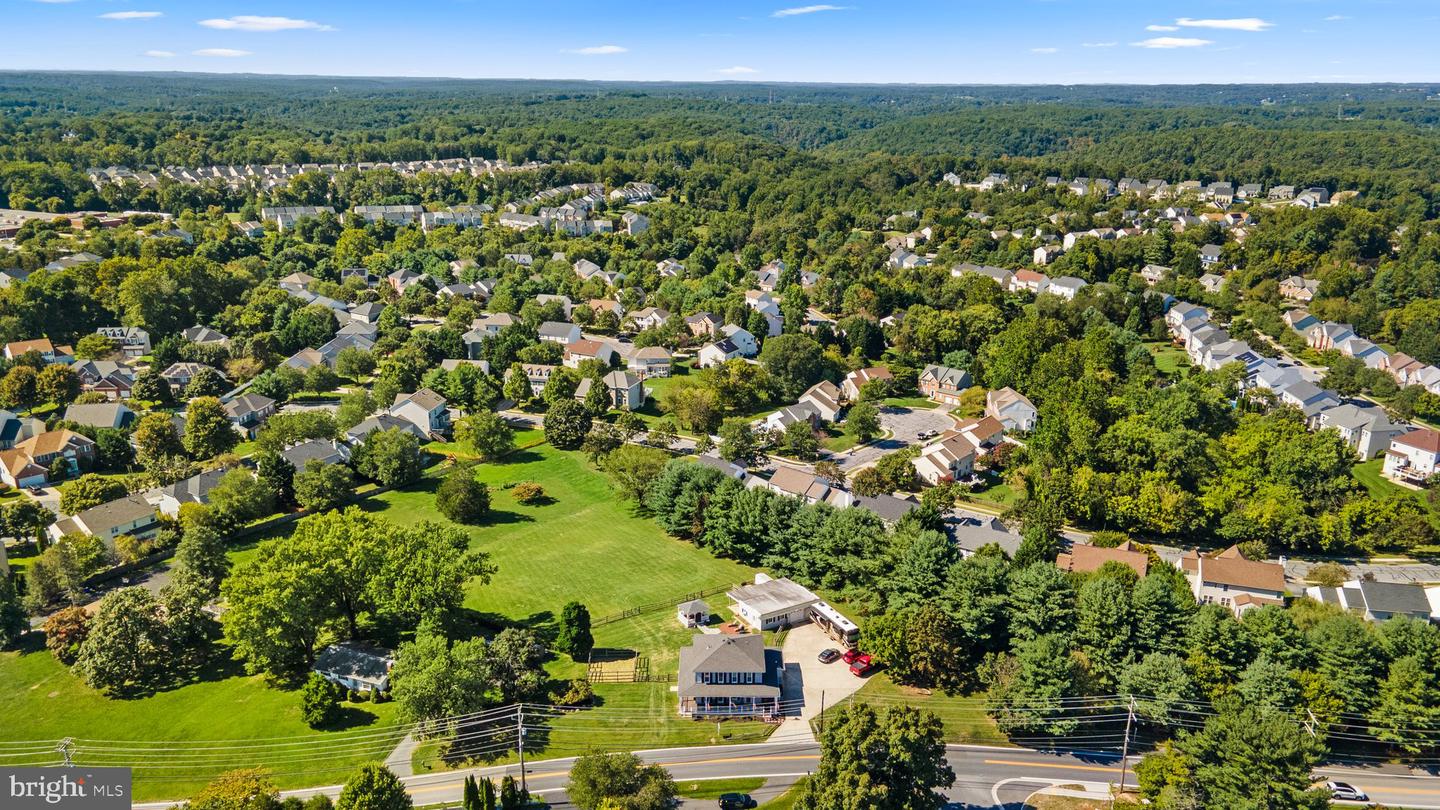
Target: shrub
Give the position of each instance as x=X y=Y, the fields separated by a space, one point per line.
x=578 y=692
x=528 y=492
x=461 y=498
x=1328 y=575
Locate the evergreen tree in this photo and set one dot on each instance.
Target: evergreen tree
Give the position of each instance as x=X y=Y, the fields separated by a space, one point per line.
x=574 y=638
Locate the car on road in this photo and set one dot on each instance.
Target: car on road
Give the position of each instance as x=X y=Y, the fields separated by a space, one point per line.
x=1346 y=792
x=829 y=655
x=850 y=656
x=737 y=801
x=861 y=666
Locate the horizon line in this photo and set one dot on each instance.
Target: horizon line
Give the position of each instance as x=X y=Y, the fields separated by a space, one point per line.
x=1409 y=83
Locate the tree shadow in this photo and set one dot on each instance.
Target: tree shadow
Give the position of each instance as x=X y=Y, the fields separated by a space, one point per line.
x=349 y=717
x=525 y=456
x=503 y=517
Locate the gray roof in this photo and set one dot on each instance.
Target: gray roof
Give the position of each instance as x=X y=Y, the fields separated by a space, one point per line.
x=555 y=329
x=109 y=515
x=195 y=489
x=945 y=375
x=313 y=450
x=383 y=421
x=887 y=507
x=971 y=534
x=722 y=653
x=356 y=660
x=773 y=596
x=99 y=414
x=1395 y=597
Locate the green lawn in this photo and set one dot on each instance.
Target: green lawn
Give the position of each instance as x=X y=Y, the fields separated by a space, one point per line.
x=964 y=717
x=585 y=544
x=1169 y=358
x=786 y=799
x=1368 y=474
x=997 y=494
x=45 y=702
x=715 y=788
x=919 y=403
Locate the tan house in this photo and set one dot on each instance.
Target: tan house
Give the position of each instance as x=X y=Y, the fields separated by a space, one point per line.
x=1082 y=559
x=1227 y=578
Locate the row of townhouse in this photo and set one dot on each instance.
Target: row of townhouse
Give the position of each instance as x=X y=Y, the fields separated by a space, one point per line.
x=1221 y=193
x=1024 y=280
x=1326 y=335
x=1365 y=427
x=269 y=176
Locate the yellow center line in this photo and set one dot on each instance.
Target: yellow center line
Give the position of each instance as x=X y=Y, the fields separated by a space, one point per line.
x=1406 y=791
x=552 y=774
x=1052 y=765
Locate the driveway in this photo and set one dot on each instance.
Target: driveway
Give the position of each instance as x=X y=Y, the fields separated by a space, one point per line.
x=813 y=684
x=905 y=426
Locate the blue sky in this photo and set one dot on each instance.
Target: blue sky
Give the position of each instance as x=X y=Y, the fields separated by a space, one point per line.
x=925 y=41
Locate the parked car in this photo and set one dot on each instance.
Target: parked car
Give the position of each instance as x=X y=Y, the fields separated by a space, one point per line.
x=861 y=666
x=1346 y=791
x=737 y=801
x=829 y=655
x=850 y=656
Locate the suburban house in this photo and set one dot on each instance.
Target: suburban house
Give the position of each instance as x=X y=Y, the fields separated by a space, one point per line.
x=1366 y=429
x=1209 y=256
x=856 y=380
x=651 y=361
x=1377 y=601
x=729 y=676
x=649 y=317
x=947 y=459
x=1065 y=287
x=771 y=604
x=1154 y=273
x=368 y=312
x=797 y=484
x=195 y=489
x=100 y=415
x=702 y=324
x=425 y=409
x=1413 y=458
x=824 y=397
x=19 y=470
x=714 y=354
x=538 y=374
x=44 y=448
x=132 y=340
x=973 y=533
x=584 y=349
x=356 y=666
x=249 y=411
x=1011 y=408
x=204 y=335
x=944 y=384
x=1227 y=578
x=384 y=421
x=179 y=375
x=983 y=433
x=625 y=389
x=17 y=428
x=729 y=469
x=1082 y=559
x=323 y=451
x=743 y=340
x=558 y=332
x=1297 y=288
x=1212 y=283
x=131 y=515
x=48 y=351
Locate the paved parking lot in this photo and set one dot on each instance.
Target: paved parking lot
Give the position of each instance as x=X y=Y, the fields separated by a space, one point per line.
x=905 y=426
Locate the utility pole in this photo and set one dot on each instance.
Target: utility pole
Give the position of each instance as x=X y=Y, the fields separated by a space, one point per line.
x=1125 y=750
x=1312 y=724
x=520 y=744
x=64 y=748
x=822 y=711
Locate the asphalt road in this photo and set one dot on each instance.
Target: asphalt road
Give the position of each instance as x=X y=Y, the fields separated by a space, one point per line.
x=985 y=777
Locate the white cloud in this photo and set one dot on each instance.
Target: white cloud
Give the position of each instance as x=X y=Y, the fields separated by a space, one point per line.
x=738 y=70
x=1336 y=18
x=132 y=15
x=798 y=10
x=251 y=22
x=1165 y=43
x=226 y=52
x=1044 y=50
x=1161 y=28
x=159 y=54
x=1237 y=24
x=599 y=50
x=1098 y=44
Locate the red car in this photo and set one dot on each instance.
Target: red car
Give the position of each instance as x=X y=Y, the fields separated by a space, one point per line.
x=861 y=666
x=850 y=656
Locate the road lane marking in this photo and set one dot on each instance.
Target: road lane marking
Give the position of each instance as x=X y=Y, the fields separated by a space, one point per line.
x=1049 y=765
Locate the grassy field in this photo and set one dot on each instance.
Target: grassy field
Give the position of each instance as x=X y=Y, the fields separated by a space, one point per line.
x=1169 y=358
x=584 y=544
x=785 y=801
x=964 y=717
x=715 y=788
x=199 y=721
